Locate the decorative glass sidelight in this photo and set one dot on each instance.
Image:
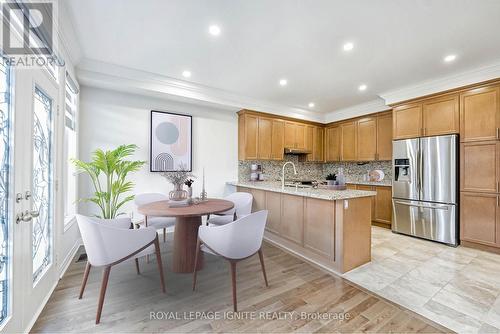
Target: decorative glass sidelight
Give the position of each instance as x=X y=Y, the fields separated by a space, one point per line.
x=5 y=212
x=42 y=185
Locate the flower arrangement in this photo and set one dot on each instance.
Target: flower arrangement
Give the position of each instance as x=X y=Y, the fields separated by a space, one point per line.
x=178 y=179
x=189 y=182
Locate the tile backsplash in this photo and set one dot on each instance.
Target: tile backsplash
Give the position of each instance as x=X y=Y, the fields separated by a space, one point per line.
x=353 y=171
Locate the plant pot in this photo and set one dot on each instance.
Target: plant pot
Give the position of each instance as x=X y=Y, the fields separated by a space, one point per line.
x=330 y=182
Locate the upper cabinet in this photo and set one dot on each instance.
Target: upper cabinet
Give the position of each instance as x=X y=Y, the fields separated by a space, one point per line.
x=278 y=139
x=441 y=116
x=407 y=121
x=480 y=114
x=348 y=147
x=260 y=138
x=431 y=117
x=332 y=144
x=384 y=136
x=264 y=138
x=248 y=129
x=367 y=139
x=295 y=135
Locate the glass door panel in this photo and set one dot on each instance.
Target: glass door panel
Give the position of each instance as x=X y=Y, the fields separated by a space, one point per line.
x=42 y=187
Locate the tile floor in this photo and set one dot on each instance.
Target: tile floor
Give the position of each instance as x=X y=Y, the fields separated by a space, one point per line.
x=458 y=288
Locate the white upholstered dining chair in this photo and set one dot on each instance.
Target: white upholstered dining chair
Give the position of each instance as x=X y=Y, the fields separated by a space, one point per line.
x=234 y=242
x=109 y=242
x=242 y=207
x=156 y=222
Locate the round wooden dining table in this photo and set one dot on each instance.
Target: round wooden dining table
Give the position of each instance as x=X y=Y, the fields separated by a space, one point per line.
x=188 y=219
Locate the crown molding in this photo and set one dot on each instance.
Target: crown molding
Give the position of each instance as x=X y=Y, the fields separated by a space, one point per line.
x=370 y=107
x=114 y=77
x=480 y=74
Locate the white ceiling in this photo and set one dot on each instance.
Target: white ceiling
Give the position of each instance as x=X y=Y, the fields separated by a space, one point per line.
x=397 y=43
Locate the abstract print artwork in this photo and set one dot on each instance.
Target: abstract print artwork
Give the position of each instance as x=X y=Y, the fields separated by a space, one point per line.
x=42 y=182
x=171 y=138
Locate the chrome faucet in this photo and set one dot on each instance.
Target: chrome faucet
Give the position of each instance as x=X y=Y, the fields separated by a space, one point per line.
x=283 y=173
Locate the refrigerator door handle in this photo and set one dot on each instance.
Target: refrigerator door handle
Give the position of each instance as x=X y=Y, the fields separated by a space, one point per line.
x=436 y=207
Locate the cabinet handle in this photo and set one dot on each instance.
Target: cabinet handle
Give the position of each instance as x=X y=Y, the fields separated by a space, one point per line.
x=498 y=133
x=498 y=204
x=498 y=186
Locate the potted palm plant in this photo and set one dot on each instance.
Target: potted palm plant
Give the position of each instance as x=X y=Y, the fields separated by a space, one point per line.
x=108 y=172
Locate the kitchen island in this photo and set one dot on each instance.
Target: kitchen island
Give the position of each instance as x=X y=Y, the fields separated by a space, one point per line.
x=330 y=228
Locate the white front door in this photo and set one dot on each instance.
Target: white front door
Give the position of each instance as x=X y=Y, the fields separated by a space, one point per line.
x=30 y=268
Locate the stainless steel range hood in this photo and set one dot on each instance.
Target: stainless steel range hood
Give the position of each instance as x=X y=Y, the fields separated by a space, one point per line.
x=297 y=151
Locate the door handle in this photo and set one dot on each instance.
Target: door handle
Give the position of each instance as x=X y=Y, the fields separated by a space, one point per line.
x=27 y=194
x=441 y=207
x=27 y=216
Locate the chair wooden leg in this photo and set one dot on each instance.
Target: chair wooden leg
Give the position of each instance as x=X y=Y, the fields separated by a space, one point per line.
x=208 y=217
x=261 y=257
x=104 y=285
x=195 y=272
x=146 y=224
x=160 y=265
x=233 y=281
x=137 y=266
x=164 y=235
x=85 y=278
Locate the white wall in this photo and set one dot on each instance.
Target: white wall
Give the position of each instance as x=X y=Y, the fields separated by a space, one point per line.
x=109 y=119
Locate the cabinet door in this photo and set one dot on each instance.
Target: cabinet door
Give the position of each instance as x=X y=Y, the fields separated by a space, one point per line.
x=292 y=218
x=407 y=121
x=351 y=186
x=384 y=137
x=264 y=138
x=480 y=114
x=479 y=166
x=332 y=146
x=309 y=142
x=300 y=136
x=383 y=205
x=318 y=140
x=319 y=226
x=441 y=116
x=348 y=141
x=259 y=199
x=277 y=140
x=369 y=188
x=289 y=135
x=479 y=218
x=367 y=139
x=251 y=128
x=273 y=205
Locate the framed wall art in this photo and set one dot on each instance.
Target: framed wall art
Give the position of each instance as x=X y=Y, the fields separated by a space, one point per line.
x=170 y=142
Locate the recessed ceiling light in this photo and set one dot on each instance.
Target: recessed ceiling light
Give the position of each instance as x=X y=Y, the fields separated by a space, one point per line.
x=450 y=58
x=348 y=46
x=362 y=87
x=283 y=82
x=214 y=30
x=186 y=74
x=311 y=104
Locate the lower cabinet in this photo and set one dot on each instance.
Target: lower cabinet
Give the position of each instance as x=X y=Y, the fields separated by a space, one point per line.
x=319 y=230
x=273 y=205
x=292 y=218
x=381 y=204
x=479 y=218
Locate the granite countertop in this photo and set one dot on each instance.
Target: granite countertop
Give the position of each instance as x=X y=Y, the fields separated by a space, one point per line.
x=326 y=194
x=383 y=183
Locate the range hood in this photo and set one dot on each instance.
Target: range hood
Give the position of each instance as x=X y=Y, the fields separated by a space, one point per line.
x=297 y=151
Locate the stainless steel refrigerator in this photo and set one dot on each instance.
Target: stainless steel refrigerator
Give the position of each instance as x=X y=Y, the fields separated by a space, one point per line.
x=424 y=192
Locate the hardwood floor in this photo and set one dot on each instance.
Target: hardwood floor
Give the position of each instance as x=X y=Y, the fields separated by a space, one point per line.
x=298 y=292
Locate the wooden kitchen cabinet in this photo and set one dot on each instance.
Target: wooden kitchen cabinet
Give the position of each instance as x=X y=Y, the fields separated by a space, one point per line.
x=332 y=144
x=372 y=199
x=309 y=140
x=278 y=139
x=264 y=138
x=289 y=134
x=319 y=230
x=480 y=114
x=480 y=166
x=248 y=126
x=480 y=221
x=295 y=135
x=318 y=142
x=441 y=116
x=384 y=136
x=407 y=121
x=292 y=218
x=366 y=139
x=383 y=206
x=348 y=147
x=273 y=205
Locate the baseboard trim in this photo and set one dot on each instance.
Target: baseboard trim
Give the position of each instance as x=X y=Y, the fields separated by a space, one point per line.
x=482 y=247
x=65 y=266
